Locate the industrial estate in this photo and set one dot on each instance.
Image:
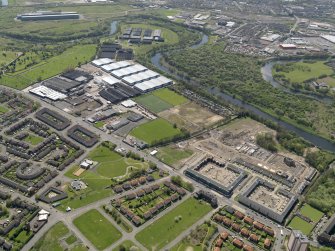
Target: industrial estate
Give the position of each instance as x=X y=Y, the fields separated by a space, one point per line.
x=167 y=125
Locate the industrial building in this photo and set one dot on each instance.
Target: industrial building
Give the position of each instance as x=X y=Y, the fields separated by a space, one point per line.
x=102 y=61
x=127 y=79
x=62 y=85
x=47 y=15
x=46 y=92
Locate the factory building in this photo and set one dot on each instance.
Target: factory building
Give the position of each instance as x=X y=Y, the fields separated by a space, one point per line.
x=47 y=15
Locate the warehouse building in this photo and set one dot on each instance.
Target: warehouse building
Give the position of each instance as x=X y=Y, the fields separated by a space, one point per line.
x=157 y=36
x=109 y=80
x=117 y=65
x=118 y=92
x=127 y=71
x=65 y=86
x=46 y=92
x=102 y=61
x=140 y=77
x=47 y=15
x=153 y=84
x=126 y=34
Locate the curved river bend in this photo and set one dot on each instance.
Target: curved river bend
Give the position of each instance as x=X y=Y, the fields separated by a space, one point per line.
x=314 y=139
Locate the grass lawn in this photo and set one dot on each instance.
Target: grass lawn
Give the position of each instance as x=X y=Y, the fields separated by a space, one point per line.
x=127 y=245
x=299 y=224
x=196 y=239
x=97 y=229
x=312 y=213
x=165 y=229
x=33 y=139
x=7 y=57
x=3 y=109
x=51 y=240
x=71 y=239
x=301 y=71
x=153 y=103
x=155 y=130
x=112 y=164
x=170 y=96
x=50 y=67
x=99 y=124
x=171 y=155
x=97 y=189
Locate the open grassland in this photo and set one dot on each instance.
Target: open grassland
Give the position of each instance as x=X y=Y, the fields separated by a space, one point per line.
x=155 y=131
x=6 y=57
x=299 y=72
x=170 y=96
x=153 y=103
x=112 y=164
x=126 y=246
x=299 y=224
x=68 y=59
x=172 y=155
x=198 y=239
x=312 y=213
x=190 y=116
x=3 y=109
x=171 y=225
x=94 y=21
x=97 y=229
x=51 y=240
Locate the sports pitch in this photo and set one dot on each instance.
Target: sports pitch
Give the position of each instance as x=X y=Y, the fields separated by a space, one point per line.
x=97 y=229
x=155 y=130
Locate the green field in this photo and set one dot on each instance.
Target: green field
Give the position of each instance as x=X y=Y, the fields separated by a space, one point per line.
x=198 y=239
x=112 y=164
x=171 y=155
x=301 y=71
x=166 y=228
x=97 y=189
x=312 y=213
x=299 y=224
x=7 y=57
x=170 y=97
x=3 y=109
x=97 y=229
x=33 y=139
x=155 y=131
x=153 y=103
x=51 y=240
x=126 y=246
x=50 y=67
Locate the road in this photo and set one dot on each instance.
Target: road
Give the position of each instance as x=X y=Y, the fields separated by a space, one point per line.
x=67 y=218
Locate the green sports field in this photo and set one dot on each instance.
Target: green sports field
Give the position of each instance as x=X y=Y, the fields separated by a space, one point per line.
x=153 y=103
x=171 y=225
x=51 y=240
x=97 y=229
x=155 y=130
x=299 y=224
x=312 y=213
x=170 y=96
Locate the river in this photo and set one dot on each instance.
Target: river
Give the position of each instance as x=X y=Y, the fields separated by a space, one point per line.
x=113 y=27
x=314 y=139
x=266 y=71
